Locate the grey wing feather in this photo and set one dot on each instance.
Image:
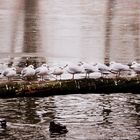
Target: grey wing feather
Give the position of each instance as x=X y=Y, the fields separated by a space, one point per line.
x=5 y=73
x=23 y=71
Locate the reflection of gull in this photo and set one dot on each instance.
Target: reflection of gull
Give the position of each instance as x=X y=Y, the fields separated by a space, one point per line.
x=136 y=67
x=89 y=68
x=118 y=67
x=9 y=73
x=42 y=70
x=74 y=69
x=28 y=71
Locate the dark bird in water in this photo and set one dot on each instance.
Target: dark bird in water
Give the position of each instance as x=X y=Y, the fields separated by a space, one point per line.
x=3 y=123
x=57 y=128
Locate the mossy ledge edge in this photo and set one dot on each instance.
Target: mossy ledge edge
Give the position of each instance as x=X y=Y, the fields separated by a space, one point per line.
x=64 y=87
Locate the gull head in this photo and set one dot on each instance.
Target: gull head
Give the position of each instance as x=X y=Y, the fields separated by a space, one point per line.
x=134 y=62
x=31 y=66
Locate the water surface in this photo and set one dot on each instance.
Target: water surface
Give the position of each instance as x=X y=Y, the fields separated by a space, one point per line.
x=90 y=116
x=69 y=30
x=56 y=31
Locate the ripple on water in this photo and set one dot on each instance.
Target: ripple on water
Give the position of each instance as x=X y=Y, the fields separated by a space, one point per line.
x=90 y=116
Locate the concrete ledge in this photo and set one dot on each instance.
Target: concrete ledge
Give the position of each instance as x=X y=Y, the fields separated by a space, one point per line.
x=63 y=87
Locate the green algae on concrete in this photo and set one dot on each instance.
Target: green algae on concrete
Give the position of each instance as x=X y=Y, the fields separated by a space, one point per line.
x=49 y=88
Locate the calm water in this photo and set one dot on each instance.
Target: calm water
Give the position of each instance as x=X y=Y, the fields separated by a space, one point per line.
x=70 y=30
x=56 y=31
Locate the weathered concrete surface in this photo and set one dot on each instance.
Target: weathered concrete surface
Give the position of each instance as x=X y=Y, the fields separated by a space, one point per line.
x=49 y=88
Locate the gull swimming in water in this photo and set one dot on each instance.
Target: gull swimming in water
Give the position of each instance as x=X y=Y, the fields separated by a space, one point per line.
x=28 y=71
x=9 y=73
x=118 y=67
x=42 y=71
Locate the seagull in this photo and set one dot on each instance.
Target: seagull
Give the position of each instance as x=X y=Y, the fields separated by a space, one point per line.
x=89 y=68
x=3 y=66
x=136 y=67
x=28 y=71
x=9 y=73
x=42 y=70
x=104 y=69
x=74 y=69
x=118 y=67
x=58 y=71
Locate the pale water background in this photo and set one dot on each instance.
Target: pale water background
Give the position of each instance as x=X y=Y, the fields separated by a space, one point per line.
x=56 y=31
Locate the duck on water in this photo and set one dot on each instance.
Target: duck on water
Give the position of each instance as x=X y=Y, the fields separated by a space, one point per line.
x=3 y=123
x=57 y=128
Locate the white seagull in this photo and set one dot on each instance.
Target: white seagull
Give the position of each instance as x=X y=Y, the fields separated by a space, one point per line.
x=104 y=69
x=58 y=71
x=89 y=68
x=42 y=71
x=3 y=66
x=136 y=67
x=9 y=73
x=118 y=67
x=28 y=71
x=74 y=69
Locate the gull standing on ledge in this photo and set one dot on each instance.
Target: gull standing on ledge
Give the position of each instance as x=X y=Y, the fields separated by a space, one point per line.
x=28 y=71
x=59 y=71
x=9 y=73
x=89 y=68
x=74 y=69
x=136 y=67
x=42 y=71
x=118 y=68
x=3 y=66
x=104 y=69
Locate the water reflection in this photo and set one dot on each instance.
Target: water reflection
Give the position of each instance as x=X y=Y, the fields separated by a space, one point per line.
x=24 y=115
x=106 y=103
x=59 y=30
x=31 y=41
x=100 y=30
x=114 y=116
x=125 y=31
x=108 y=28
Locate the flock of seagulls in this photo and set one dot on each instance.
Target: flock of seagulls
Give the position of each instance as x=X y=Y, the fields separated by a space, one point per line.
x=73 y=69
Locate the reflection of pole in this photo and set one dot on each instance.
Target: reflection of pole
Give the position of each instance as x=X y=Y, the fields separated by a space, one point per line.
x=136 y=34
x=31 y=41
x=108 y=28
x=16 y=18
x=31 y=108
x=31 y=31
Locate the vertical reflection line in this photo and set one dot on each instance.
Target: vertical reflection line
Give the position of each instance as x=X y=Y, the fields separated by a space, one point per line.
x=136 y=34
x=108 y=28
x=31 y=31
x=16 y=18
x=14 y=31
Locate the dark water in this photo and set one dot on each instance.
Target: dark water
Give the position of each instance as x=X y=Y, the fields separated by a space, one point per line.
x=55 y=31
x=87 y=117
